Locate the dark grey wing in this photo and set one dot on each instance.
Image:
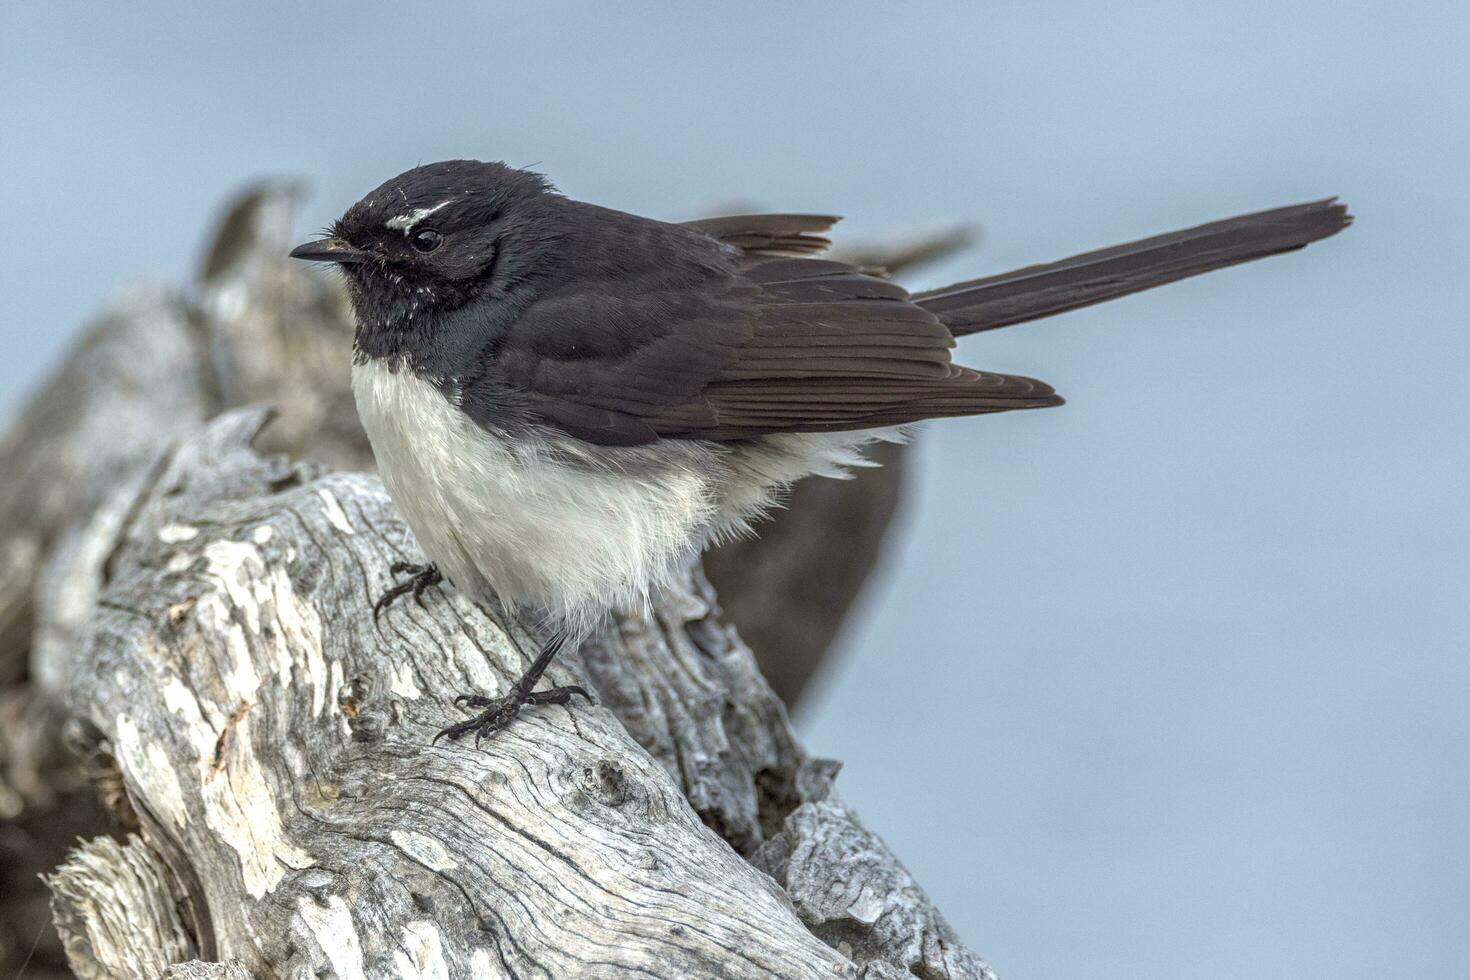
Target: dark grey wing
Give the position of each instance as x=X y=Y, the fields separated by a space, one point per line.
x=603 y=360
x=1044 y=290
x=769 y=234
x=753 y=348
x=833 y=349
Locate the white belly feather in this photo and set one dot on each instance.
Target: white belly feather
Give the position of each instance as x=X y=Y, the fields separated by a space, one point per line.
x=555 y=524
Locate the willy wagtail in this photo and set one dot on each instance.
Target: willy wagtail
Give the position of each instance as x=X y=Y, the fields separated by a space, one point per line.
x=568 y=402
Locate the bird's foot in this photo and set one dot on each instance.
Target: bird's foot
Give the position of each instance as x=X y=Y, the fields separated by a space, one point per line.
x=420 y=577
x=499 y=712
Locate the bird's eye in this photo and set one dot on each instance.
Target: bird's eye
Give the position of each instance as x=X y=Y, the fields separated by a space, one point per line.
x=426 y=239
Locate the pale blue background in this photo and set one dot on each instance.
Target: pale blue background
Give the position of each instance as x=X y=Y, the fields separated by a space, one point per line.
x=1171 y=682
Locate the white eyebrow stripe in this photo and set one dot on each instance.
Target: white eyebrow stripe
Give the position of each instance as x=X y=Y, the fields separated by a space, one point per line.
x=404 y=222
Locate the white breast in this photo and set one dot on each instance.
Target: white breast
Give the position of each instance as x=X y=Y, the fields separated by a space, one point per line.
x=543 y=521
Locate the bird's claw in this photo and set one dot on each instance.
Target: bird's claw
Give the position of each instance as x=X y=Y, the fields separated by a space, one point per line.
x=499 y=712
x=420 y=578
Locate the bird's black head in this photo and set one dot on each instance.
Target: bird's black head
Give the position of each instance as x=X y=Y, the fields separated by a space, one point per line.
x=436 y=238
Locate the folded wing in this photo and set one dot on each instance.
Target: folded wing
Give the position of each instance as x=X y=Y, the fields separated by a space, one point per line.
x=735 y=347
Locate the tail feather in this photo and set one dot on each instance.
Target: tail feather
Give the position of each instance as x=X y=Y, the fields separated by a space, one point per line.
x=1043 y=290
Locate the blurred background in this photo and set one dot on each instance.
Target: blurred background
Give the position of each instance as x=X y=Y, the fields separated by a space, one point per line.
x=1170 y=682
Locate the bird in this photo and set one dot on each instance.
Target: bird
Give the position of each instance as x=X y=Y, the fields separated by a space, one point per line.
x=568 y=402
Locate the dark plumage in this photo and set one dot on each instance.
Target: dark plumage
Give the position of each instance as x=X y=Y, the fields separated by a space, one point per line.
x=622 y=330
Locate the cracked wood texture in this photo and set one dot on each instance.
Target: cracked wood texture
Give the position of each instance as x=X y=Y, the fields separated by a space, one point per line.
x=277 y=749
x=188 y=677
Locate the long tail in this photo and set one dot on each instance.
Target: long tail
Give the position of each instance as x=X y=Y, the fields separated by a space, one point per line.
x=1042 y=290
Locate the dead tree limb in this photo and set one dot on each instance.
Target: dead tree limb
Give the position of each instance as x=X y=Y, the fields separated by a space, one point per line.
x=277 y=748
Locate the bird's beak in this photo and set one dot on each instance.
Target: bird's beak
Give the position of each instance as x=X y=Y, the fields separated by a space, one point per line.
x=329 y=250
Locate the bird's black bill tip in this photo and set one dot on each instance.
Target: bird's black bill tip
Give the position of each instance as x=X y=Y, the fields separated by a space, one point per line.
x=329 y=250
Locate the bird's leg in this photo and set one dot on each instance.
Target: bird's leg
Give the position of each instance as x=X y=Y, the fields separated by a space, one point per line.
x=420 y=577
x=499 y=712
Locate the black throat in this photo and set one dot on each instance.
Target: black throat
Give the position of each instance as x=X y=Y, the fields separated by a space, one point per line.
x=453 y=347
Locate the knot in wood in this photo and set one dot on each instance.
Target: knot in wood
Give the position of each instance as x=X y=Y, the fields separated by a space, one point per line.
x=606 y=782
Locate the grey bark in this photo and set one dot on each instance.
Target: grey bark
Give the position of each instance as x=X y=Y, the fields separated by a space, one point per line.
x=152 y=368
x=277 y=748
x=197 y=625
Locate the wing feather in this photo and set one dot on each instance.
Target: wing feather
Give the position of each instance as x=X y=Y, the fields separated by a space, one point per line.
x=703 y=344
x=769 y=234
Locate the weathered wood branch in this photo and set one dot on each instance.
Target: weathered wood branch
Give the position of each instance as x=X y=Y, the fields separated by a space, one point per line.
x=197 y=626
x=277 y=748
